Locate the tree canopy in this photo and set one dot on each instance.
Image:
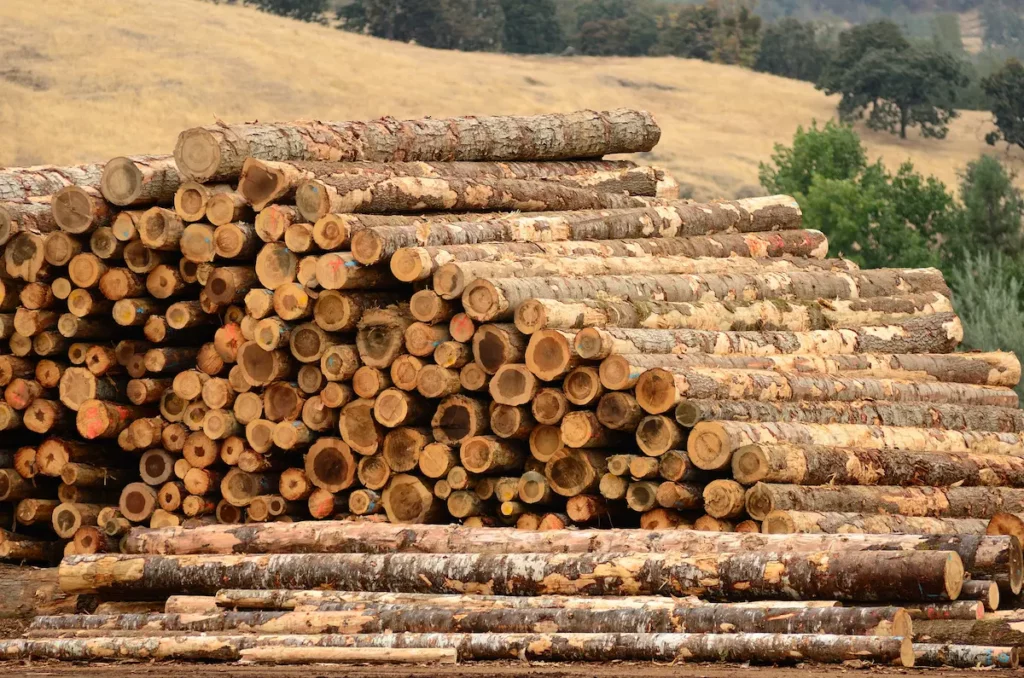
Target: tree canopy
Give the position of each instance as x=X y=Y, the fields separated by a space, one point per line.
x=1005 y=90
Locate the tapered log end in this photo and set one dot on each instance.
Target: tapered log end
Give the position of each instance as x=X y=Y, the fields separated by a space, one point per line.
x=197 y=154
x=409 y=264
x=313 y=201
x=121 y=182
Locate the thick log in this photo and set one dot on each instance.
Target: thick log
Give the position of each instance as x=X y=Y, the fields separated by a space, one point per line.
x=931 y=334
x=218 y=152
x=227 y=207
x=407 y=500
x=819 y=465
x=140 y=180
x=358 y=427
x=988 y=631
x=764 y=648
x=853 y=576
x=690 y=412
x=498 y=298
x=659 y=390
x=403 y=446
x=929 y=502
x=711 y=444
x=330 y=465
x=795 y=315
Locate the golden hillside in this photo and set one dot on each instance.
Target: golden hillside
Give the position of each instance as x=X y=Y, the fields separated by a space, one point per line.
x=90 y=79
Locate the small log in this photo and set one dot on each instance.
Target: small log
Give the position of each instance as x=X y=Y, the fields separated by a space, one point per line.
x=140 y=180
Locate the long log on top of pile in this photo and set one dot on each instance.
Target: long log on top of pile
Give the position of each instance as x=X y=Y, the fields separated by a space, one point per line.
x=839 y=575
x=19 y=183
x=218 y=152
x=753 y=647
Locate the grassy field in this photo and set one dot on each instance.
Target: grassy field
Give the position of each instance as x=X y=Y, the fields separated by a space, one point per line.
x=89 y=79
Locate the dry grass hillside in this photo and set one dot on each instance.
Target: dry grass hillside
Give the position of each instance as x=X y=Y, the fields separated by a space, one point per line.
x=90 y=79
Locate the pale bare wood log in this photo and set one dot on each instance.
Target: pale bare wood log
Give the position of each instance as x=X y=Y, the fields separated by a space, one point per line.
x=672 y=218
x=140 y=180
x=724 y=498
x=813 y=465
x=711 y=444
x=434 y=381
x=299 y=238
x=80 y=209
x=853 y=576
x=952 y=502
x=932 y=334
x=236 y=240
x=419 y=263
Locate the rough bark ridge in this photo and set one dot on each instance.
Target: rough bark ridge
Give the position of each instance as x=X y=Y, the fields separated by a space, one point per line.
x=18 y=183
x=796 y=315
x=27 y=216
x=932 y=334
x=818 y=465
x=755 y=647
x=845 y=575
x=992 y=369
x=929 y=502
x=871 y=412
x=216 y=152
x=669 y=219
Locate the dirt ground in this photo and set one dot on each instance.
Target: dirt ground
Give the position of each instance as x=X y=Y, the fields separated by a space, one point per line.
x=477 y=670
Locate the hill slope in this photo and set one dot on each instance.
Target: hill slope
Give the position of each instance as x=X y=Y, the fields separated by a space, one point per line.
x=91 y=79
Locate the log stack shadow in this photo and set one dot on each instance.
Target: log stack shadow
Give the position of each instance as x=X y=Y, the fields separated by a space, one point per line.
x=389 y=325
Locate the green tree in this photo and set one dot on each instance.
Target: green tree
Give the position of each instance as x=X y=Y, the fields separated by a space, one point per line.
x=993 y=208
x=790 y=48
x=833 y=152
x=1004 y=25
x=468 y=25
x=616 y=27
x=737 y=36
x=305 y=10
x=987 y=297
x=531 y=27
x=856 y=43
x=1005 y=90
x=689 y=33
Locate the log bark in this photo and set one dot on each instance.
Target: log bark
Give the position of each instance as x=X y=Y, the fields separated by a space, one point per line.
x=218 y=152
x=988 y=631
x=928 y=502
x=958 y=656
x=140 y=180
x=690 y=412
x=498 y=298
x=410 y=264
x=819 y=465
x=711 y=444
x=852 y=576
x=375 y=243
x=762 y=648
x=398 y=618
x=18 y=183
x=939 y=333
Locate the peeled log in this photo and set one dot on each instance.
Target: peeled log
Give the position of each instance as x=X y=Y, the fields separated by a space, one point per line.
x=820 y=465
x=399 y=618
x=419 y=263
x=766 y=648
x=217 y=152
x=689 y=412
x=939 y=333
x=711 y=443
x=499 y=298
x=993 y=369
x=949 y=502
x=847 y=575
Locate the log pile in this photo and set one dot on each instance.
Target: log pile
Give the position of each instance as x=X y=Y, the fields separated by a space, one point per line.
x=479 y=320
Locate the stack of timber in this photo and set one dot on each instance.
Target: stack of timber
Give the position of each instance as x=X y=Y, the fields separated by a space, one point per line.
x=480 y=320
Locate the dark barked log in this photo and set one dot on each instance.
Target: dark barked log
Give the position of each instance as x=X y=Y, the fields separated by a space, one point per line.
x=939 y=333
x=992 y=630
x=620 y=372
x=951 y=502
x=419 y=263
x=854 y=621
x=746 y=647
x=659 y=390
x=956 y=655
x=823 y=465
x=498 y=298
x=838 y=575
x=711 y=444
x=689 y=412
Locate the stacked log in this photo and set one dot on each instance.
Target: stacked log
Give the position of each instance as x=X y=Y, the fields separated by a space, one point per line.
x=480 y=321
